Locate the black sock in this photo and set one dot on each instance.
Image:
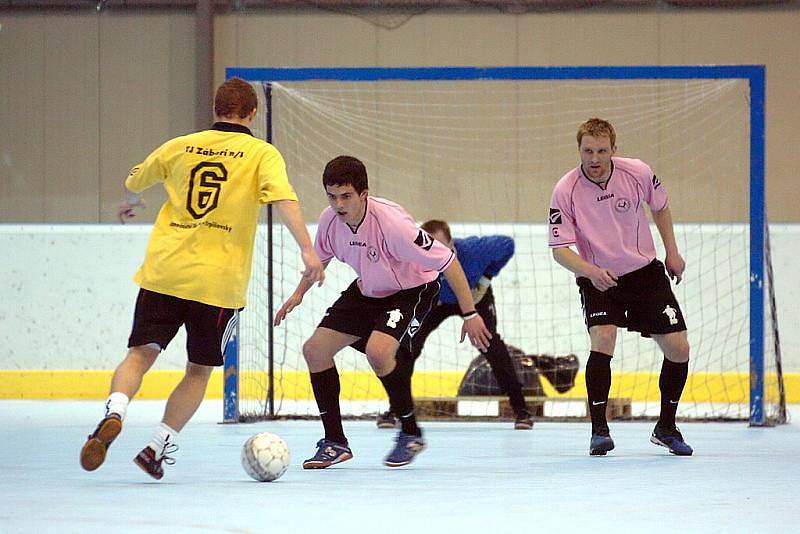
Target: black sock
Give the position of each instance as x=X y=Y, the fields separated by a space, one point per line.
x=503 y=369
x=671 y=382
x=326 y=391
x=598 y=384
x=398 y=387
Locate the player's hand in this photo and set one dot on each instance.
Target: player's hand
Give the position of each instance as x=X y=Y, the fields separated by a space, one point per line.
x=127 y=210
x=675 y=266
x=314 y=271
x=602 y=279
x=290 y=304
x=478 y=334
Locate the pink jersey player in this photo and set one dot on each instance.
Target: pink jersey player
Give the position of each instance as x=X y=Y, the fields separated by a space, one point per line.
x=599 y=206
x=608 y=223
x=398 y=266
x=387 y=249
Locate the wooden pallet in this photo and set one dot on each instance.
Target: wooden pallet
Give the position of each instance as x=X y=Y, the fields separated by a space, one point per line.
x=447 y=407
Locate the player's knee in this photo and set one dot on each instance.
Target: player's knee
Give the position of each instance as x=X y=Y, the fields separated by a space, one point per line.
x=143 y=356
x=315 y=353
x=195 y=370
x=380 y=359
x=603 y=338
x=678 y=352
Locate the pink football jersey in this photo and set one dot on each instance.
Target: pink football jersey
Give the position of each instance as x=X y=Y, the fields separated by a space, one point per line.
x=608 y=224
x=388 y=251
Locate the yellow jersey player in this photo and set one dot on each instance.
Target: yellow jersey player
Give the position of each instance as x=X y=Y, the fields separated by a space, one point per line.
x=197 y=266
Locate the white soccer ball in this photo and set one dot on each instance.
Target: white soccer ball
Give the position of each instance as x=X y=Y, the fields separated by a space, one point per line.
x=265 y=457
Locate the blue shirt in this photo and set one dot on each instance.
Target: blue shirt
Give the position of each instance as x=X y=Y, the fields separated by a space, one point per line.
x=478 y=256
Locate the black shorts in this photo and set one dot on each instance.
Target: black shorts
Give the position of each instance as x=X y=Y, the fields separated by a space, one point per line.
x=642 y=301
x=208 y=328
x=399 y=315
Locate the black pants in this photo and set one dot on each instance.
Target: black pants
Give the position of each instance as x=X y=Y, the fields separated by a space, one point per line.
x=497 y=354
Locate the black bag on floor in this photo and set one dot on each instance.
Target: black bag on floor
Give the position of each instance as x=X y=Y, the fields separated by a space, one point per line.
x=479 y=379
x=560 y=371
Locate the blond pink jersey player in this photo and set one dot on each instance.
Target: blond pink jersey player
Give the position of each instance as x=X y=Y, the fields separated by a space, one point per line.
x=600 y=208
x=398 y=266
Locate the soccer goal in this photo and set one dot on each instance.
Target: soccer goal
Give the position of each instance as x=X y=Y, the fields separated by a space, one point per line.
x=482 y=148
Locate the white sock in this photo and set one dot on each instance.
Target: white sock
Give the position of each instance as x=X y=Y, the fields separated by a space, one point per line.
x=163 y=438
x=117 y=403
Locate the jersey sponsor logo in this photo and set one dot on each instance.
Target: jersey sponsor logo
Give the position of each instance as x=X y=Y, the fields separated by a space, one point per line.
x=423 y=240
x=394 y=317
x=605 y=197
x=671 y=313
x=656 y=182
x=622 y=205
x=372 y=254
x=598 y=314
x=205 y=186
x=555 y=216
x=200 y=151
x=357 y=244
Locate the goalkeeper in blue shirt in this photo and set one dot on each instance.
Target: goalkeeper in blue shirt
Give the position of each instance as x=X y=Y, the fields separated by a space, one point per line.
x=482 y=259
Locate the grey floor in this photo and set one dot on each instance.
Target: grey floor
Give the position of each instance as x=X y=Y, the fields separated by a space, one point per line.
x=474 y=477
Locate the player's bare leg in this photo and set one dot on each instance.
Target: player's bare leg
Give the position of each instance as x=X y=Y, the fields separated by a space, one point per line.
x=674 y=372
x=124 y=384
x=318 y=352
x=598 y=384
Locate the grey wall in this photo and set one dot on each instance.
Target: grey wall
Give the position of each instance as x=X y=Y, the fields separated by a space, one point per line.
x=85 y=95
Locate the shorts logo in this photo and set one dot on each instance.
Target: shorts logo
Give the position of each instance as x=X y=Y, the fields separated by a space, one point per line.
x=372 y=254
x=423 y=240
x=622 y=205
x=555 y=216
x=394 y=317
x=413 y=327
x=671 y=313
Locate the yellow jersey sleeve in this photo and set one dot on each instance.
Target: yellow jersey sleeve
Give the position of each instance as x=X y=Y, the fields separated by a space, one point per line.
x=148 y=173
x=273 y=181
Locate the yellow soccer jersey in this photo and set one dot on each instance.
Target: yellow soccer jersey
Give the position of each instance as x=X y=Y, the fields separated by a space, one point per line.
x=201 y=247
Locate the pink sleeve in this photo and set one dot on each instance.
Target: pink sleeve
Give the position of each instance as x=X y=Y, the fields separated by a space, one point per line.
x=322 y=241
x=407 y=242
x=655 y=193
x=561 y=223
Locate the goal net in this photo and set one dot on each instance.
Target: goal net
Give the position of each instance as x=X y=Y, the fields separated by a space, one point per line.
x=484 y=154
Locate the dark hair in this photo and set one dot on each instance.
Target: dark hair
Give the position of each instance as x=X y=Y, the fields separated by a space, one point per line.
x=435 y=225
x=235 y=99
x=346 y=170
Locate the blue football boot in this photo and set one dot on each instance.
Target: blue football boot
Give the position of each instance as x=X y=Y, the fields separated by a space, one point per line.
x=328 y=453
x=407 y=447
x=601 y=443
x=672 y=439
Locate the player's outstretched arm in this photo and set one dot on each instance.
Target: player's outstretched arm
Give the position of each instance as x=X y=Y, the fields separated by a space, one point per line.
x=601 y=278
x=292 y=217
x=295 y=299
x=473 y=326
x=127 y=210
x=674 y=261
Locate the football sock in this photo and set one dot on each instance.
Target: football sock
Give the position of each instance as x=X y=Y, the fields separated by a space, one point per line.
x=398 y=386
x=326 y=391
x=598 y=384
x=163 y=437
x=117 y=403
x=671 y=383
